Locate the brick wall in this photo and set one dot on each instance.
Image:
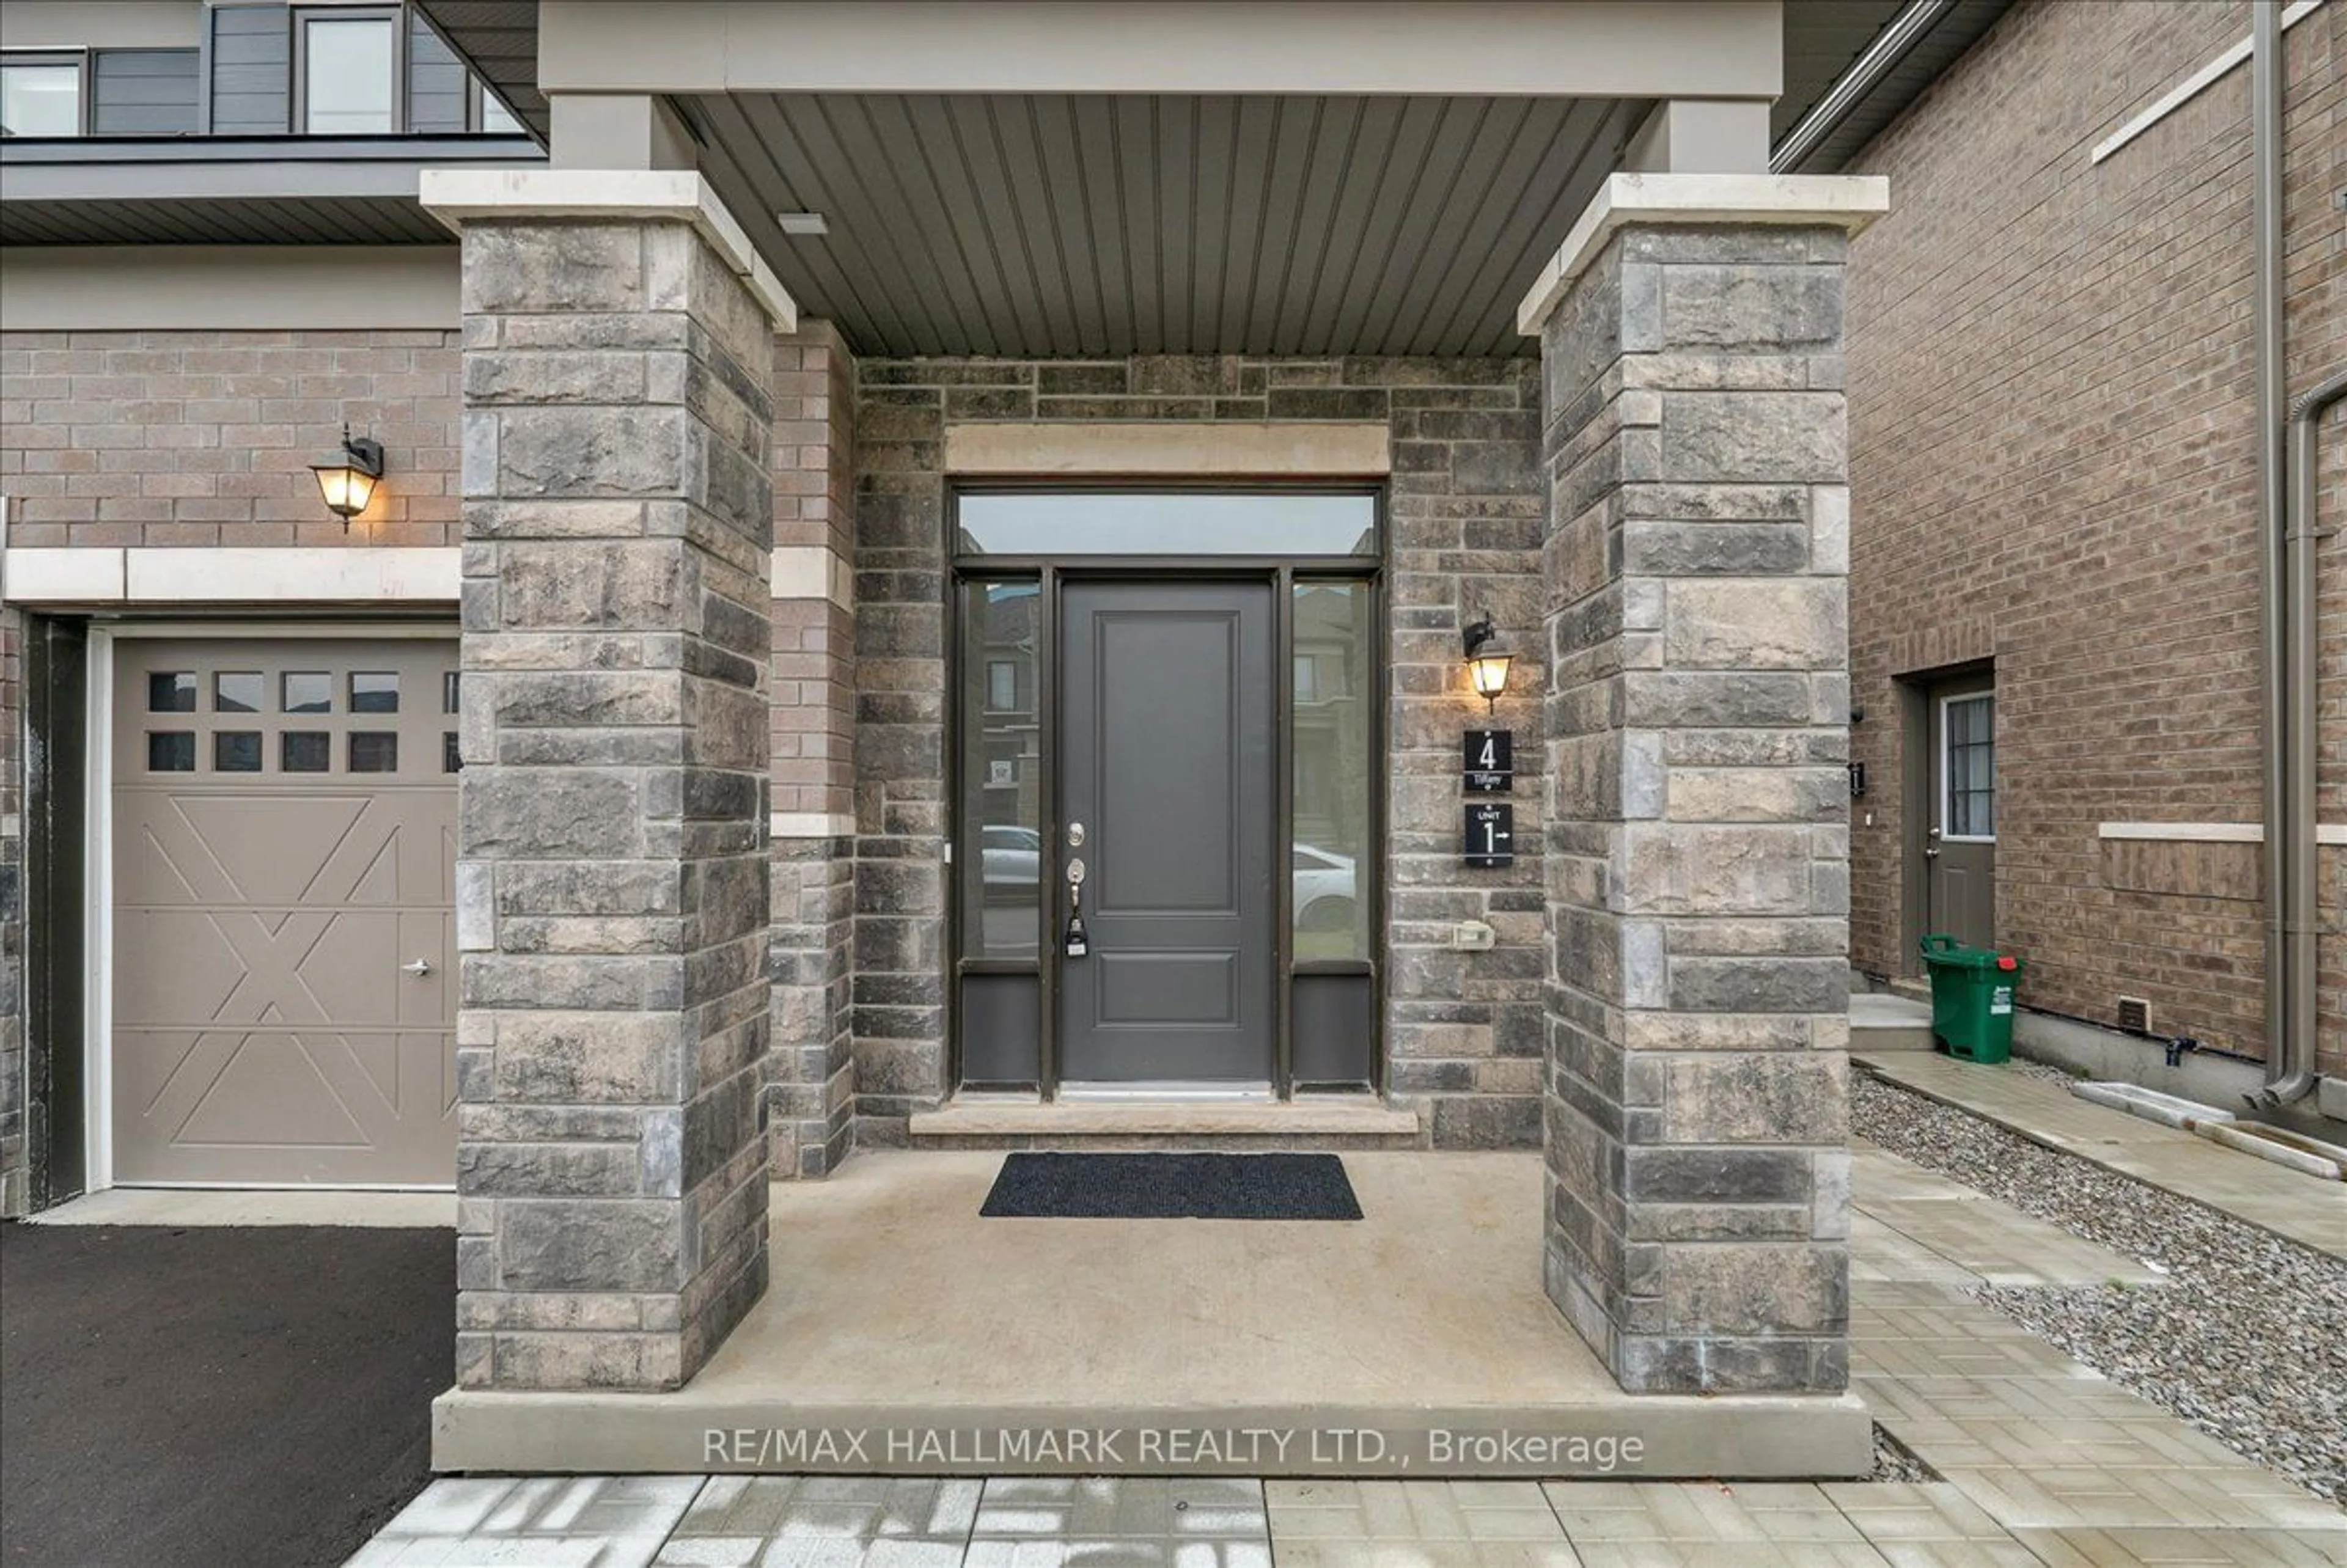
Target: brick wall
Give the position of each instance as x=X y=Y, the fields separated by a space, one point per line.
x=207 y=438
x=2053 y=465
x=811 y=1089
x=180 y=438
x=1464 y=523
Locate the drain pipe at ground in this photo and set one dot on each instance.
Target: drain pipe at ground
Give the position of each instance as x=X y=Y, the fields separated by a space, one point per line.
x=2273 y=501
x=2293 y=1072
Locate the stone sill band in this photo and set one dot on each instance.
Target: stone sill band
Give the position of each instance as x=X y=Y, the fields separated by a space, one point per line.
x=455 y=196
x=1321 y=449
x=216 y=574
x=307 y=574
x=1846 y=201
x=2208 y=832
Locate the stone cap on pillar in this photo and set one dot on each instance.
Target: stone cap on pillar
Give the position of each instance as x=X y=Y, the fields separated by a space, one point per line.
x=455 y=196
x=1845 y=201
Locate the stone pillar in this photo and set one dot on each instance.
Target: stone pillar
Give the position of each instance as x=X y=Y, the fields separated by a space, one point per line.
x=612 y=871
x=1697 y=731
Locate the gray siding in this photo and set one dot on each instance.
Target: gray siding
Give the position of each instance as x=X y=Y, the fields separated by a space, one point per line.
x=253 y=70
x=436 y=82
x=144 y=92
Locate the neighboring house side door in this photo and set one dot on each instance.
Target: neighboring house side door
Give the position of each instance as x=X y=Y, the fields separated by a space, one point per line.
x=1168 y=767
x=1959 y=844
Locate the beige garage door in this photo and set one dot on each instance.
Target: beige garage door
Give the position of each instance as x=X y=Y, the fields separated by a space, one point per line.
x=284 y=953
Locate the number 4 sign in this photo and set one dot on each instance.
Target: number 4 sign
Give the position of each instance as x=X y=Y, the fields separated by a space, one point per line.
x=1491 y=759
x=1490 y=837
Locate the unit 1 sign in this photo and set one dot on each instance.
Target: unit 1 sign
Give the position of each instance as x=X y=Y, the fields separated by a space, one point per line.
x=1490 y=760
x=1491 y=838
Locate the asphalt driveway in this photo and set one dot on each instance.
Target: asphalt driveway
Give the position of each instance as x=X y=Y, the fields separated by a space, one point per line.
x=215 y=1395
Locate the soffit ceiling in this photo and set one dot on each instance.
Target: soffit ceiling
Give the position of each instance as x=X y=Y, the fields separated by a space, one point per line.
x=987 y=224
x=1051 y=225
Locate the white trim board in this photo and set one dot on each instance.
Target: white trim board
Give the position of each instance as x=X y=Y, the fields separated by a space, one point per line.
x=811 y=824
x=813 y=571
x=2193 y=86
x=2208 y=832
x=360 y=574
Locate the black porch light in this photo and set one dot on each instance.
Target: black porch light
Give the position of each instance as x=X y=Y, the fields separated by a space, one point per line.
x=347 y=480
x=1487 y=662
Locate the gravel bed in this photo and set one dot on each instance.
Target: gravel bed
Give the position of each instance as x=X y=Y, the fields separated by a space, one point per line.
x=1895 y=1461
x=2247 y=1338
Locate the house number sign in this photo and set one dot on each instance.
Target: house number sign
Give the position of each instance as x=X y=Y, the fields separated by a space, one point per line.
x=1491 y=836
x=1491 y=759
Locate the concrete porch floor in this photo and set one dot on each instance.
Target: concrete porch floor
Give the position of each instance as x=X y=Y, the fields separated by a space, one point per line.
x=1405 y=1344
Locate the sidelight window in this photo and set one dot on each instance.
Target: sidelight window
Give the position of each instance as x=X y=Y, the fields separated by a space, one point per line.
x=1002 y=770
x=1332 y=770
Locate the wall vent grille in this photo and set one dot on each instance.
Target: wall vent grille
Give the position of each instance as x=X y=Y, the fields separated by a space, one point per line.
x=2135 y=1013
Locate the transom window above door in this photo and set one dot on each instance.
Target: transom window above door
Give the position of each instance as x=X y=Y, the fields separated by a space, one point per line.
x=1160 y=523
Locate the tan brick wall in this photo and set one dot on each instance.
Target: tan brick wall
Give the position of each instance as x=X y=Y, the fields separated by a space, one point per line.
x=2053 y=462
x=207 y=438
x=815 y=447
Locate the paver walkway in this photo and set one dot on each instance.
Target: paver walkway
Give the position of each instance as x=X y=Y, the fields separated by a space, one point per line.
x=2046 y=1464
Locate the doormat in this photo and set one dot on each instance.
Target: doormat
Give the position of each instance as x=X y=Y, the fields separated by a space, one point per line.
x=1173 y=1187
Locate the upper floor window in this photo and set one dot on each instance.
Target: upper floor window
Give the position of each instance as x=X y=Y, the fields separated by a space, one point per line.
x=349 y=74
x=494 y=118
x=40 y=94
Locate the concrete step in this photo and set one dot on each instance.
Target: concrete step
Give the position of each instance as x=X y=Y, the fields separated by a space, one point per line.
x=1881 y=1021
x=1307 y=1121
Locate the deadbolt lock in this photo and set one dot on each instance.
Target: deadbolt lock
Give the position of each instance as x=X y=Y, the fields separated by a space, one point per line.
x=1075 y=835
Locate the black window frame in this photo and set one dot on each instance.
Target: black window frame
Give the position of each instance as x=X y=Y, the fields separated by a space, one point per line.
x=1049 y=573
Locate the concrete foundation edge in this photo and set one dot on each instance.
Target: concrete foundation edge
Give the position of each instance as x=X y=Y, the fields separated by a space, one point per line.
x=1821 y=1437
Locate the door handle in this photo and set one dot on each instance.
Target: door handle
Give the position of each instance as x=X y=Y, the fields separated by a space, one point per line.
x=419 y=968
x=1932 y=844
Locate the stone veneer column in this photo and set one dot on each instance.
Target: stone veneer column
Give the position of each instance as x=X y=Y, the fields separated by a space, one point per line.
x=1697 y=732
x=611 y=878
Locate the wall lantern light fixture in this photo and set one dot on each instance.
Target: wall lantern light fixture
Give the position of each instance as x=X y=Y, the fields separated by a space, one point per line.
x=1487 y=661
x=347 y=479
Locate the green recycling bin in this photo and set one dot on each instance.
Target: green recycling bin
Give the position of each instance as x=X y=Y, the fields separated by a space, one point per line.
x=1972 y=998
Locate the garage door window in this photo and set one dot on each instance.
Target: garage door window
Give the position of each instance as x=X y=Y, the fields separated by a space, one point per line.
x=236 y=751
x=309 y=691
x=272 y=721
x=171 y=692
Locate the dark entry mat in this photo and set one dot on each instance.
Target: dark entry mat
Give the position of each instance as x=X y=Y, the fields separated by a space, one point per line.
x=1173 y=1187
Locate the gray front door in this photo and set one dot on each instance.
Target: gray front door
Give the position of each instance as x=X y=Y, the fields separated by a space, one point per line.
x=1960 y=840
x=1166 y=719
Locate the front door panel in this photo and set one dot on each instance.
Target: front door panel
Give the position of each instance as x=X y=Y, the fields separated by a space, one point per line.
x=1168 y=736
